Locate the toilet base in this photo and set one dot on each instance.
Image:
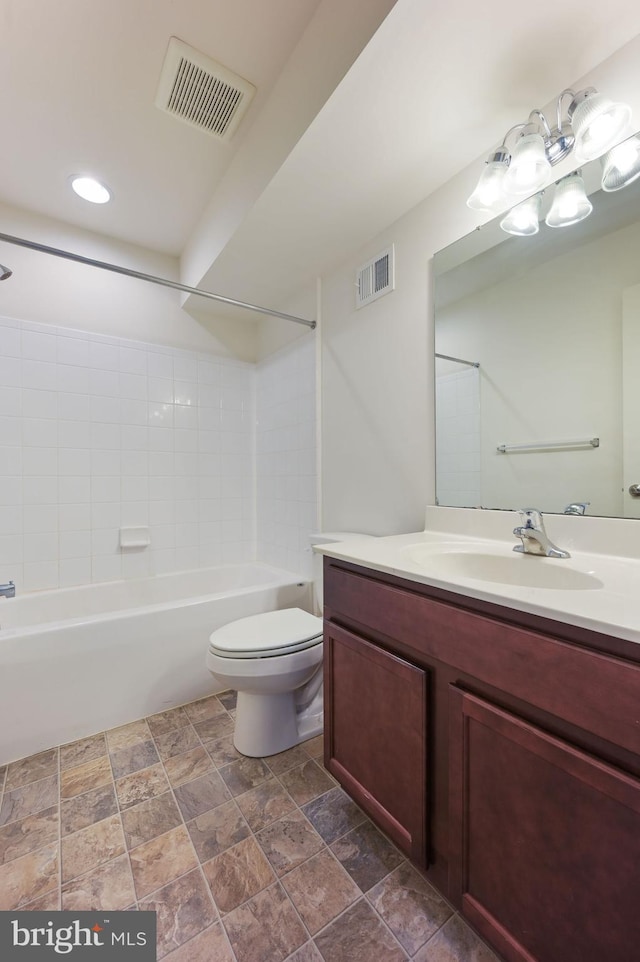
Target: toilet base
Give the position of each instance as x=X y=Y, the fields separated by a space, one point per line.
x=270 y=724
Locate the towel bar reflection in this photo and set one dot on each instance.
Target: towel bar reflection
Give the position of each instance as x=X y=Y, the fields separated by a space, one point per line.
x=547 y=445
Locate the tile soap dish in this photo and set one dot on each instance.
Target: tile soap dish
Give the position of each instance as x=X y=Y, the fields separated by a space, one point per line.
x=135 y=537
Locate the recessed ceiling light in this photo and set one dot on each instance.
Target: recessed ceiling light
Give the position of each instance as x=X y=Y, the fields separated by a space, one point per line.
x=90 y=189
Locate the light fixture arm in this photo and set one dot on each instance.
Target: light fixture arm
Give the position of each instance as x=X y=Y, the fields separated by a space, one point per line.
x=541 y=118
x=568 y=92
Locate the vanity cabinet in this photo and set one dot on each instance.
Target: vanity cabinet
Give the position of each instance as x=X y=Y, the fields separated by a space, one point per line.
x=378 y=712
x=500 y=750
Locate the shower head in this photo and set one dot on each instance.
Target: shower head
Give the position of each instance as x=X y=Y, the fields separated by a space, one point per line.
x=4 y=272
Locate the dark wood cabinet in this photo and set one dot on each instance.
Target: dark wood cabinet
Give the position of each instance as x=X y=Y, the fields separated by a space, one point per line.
x=501 y=751
x=545 y=840
x=376 y=735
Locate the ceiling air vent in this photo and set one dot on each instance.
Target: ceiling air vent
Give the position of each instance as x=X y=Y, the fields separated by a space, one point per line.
x=375 y=278
x=202 y=93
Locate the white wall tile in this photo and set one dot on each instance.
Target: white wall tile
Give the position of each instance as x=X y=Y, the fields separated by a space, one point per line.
x=73 y=350
x=39 y=404
x=100 y=432
x=39 y=347
x=40 y=575
x=74 y=517
x=40 y=375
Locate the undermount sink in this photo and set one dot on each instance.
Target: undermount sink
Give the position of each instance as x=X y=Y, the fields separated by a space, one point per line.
x=450 y=562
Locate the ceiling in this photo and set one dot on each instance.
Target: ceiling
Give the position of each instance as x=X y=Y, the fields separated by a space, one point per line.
x=355 y=120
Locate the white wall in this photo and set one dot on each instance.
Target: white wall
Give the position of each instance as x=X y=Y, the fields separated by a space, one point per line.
x=49 y=290
x=377 y=382
x=286 y=475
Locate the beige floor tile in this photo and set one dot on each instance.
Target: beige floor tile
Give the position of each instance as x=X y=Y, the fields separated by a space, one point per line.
x=212 y=945
x=32 y=769
x=289 y=842
x=184 y=768
x=199 y=711
x=307 y=781
x=411 y=907
x=108 y=887
x=184 y=908
x=166 y=721
x=217 y=830
x=29 y=877
x=176 y=741
x=83 y=810
x=359 y=935
x=455 y=942
x=28 y=834
x=265 y=804
x=128 y=735
x=134 y=758
x=82 y=778
x=87 y=849
x=29 y=799
x=84 y=750
x=135 y=788
x=320 y=889
x=202 y=794
x=333 y=814
x=265 y=928
x=149 y=819
x=222 y=750
x=238 y=874
x=156 y=863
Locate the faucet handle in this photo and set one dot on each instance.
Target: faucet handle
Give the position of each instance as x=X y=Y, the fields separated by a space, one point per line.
x=531 y=517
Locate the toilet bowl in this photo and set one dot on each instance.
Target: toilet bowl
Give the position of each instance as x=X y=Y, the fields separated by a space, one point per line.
x=274 y=662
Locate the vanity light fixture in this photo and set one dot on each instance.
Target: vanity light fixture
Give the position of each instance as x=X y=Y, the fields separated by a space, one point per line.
x=523 y=220
x=621 y=165
x=570 y=202
x=90 y=189
x=591 y=125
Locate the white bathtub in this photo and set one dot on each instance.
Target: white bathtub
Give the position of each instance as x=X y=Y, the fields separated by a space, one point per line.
x=77 y=661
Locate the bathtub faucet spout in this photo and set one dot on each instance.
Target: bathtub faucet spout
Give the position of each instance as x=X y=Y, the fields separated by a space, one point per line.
x=8 y=591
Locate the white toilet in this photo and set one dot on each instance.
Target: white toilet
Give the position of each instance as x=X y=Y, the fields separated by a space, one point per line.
x=274 y=662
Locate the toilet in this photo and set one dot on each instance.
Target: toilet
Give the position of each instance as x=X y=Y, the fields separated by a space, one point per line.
x=274 y=661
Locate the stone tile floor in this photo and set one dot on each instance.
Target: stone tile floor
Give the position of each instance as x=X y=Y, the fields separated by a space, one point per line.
x=244 y=860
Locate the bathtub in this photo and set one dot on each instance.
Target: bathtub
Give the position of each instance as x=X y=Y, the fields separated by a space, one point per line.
x=77 y=661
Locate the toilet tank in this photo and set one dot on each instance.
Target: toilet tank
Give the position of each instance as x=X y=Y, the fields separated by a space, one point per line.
x=328 y=537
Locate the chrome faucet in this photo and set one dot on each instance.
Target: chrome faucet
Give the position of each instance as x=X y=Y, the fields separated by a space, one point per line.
x=577 y=507
x=534 y=537
x=8 y=591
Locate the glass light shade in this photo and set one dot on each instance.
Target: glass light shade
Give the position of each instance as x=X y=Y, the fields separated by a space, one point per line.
x=597 y=124
x=570 y=203
x=523 y=220
x=621 y=165
x=90 y=189
x=489 y=192
x=529 y=166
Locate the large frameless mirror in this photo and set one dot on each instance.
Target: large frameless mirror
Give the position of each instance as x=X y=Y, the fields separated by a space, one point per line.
x=537 y=342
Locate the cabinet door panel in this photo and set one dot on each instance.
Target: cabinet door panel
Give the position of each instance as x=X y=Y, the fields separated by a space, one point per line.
x=545 y=840
x=376 y=735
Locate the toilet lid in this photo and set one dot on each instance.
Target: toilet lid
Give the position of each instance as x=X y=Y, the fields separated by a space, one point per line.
x=270 y=633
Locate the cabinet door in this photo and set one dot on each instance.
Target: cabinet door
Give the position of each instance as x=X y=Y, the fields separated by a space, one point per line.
x=545 y=841
x=376 y=735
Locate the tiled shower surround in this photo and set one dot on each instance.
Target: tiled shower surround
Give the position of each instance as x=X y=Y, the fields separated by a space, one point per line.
x=286 y=456
x=97 y=433
x=243 y=859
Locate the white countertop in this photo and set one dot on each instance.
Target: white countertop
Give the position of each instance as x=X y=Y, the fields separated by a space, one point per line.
x=609 y=602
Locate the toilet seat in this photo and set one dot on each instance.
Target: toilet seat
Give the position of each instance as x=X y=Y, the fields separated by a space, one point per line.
x=267 y=635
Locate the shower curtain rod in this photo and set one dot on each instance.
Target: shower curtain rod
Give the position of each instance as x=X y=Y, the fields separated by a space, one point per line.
x=458 y=360
x=128 y=272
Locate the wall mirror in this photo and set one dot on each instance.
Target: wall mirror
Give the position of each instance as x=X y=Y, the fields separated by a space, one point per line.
x=537 y=344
